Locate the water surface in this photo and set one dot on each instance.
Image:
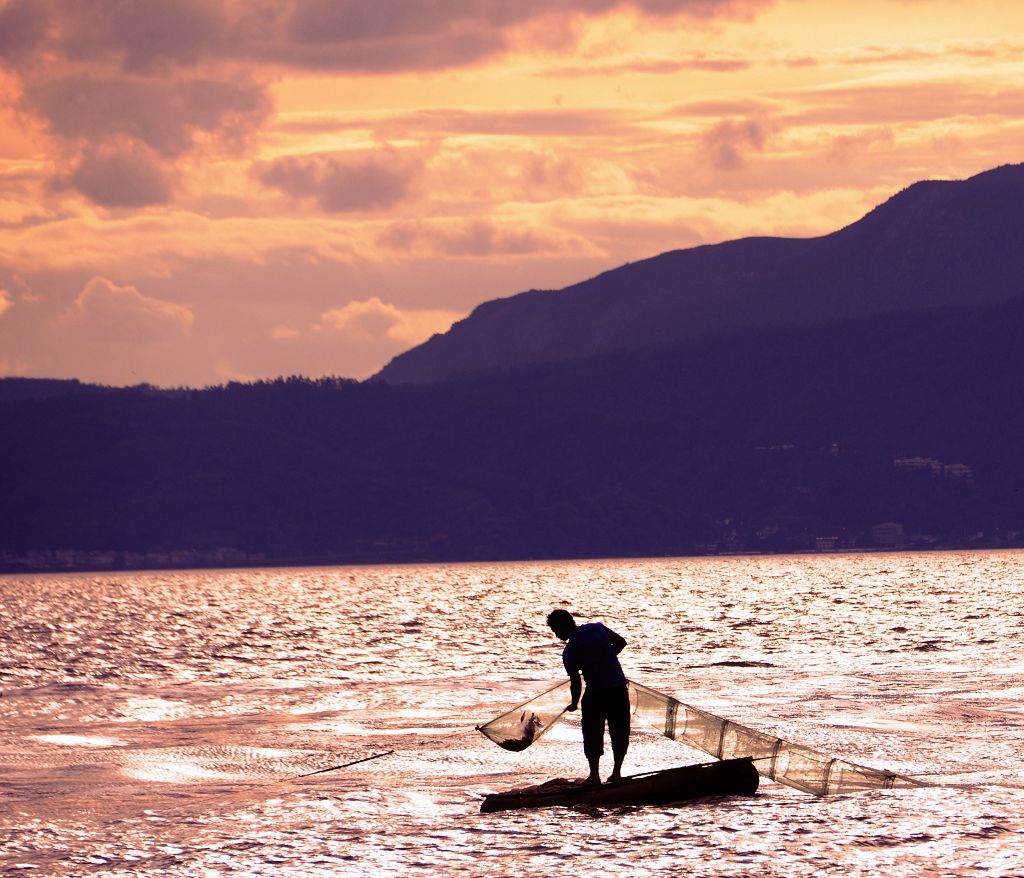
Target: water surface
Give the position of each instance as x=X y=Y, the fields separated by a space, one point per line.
x=153 y=723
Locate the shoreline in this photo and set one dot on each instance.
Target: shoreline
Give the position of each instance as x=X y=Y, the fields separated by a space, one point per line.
x=136 y=562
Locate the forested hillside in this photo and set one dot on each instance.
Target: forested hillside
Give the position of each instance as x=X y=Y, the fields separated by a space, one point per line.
x=786 y=439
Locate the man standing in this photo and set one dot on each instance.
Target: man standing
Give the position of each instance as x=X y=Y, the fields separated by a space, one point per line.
x=592 y=650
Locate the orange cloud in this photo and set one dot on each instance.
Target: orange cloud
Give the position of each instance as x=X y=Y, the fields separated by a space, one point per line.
x=374 y=319
x=104 y=311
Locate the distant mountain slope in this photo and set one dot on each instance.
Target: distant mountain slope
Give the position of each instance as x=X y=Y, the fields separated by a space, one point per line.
x=935 y=244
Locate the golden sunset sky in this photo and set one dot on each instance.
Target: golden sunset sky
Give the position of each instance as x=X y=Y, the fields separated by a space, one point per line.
x=195 y=191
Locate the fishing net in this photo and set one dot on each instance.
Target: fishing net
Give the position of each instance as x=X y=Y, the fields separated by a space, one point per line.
x=522 y=725
x=780 y=760
x=783 y=761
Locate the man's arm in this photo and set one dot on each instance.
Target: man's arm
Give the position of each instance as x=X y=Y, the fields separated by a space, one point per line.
x=575 y=688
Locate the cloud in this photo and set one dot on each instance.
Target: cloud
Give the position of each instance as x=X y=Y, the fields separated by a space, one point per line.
x=714 y=108
x=906 y=102
x=727 y=143
x=282 y=332
x=988 y=51
x=165 y=241
x=193 y=75
x=108 y=313
x=14 y=289
x=132 y=35
x=454 y=121
x=436 y=34
x=22 y=28
x=165 y=115
x=345 y=181
x=144 y=35
x=335 y=35
x=845 y=148
x=373 y=319
x=474 y=238
x=118 y=139
x=121 y=175
x=652 y=66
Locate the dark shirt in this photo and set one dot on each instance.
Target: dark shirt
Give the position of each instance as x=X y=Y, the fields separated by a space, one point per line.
x=591 y=652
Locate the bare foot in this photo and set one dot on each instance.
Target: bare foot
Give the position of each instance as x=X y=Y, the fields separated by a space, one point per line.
x=591 y=781
x=614 y=776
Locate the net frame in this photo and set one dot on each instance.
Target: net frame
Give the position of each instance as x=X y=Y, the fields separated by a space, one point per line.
x=518 y=728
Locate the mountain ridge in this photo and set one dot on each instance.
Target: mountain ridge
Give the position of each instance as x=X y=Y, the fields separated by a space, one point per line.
x=936 y=243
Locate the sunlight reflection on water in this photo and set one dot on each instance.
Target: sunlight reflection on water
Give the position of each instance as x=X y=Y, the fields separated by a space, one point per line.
x=79 y=740
x=151 y=722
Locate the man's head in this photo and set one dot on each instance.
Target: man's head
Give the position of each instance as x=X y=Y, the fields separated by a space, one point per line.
x=562 y=623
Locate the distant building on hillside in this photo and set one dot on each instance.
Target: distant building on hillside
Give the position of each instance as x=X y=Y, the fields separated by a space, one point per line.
x=959 y=471
x=887 y=534
x=918 y=464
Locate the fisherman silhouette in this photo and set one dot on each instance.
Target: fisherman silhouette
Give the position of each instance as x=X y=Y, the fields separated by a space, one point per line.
x=592 y=650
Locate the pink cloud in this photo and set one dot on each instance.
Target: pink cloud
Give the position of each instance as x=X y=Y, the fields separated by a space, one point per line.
x=123 y=135
x=343 y=182
x=121 y=175
x=22 y=28
x=163 y=114
x=845 y=148
x=144 y=35
x=434 y=34
x=653 y=66
x=747 y=106
x=352 y=35
x=728 y=142
x=906 y=102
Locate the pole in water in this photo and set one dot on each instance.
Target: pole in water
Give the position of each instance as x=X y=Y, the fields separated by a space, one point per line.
x=346 y=765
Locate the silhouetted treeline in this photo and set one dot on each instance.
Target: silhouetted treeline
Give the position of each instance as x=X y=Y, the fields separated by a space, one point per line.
x=784 y=439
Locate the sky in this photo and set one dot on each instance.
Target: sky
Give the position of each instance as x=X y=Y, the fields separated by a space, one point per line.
x=201 y=191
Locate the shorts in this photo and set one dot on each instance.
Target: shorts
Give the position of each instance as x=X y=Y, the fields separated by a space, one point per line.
x=600 y=706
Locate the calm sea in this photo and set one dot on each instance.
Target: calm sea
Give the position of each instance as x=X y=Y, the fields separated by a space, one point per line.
x=154 y=723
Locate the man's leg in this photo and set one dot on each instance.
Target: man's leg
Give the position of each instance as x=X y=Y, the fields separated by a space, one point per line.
x=618 y=729
x=592 y=720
